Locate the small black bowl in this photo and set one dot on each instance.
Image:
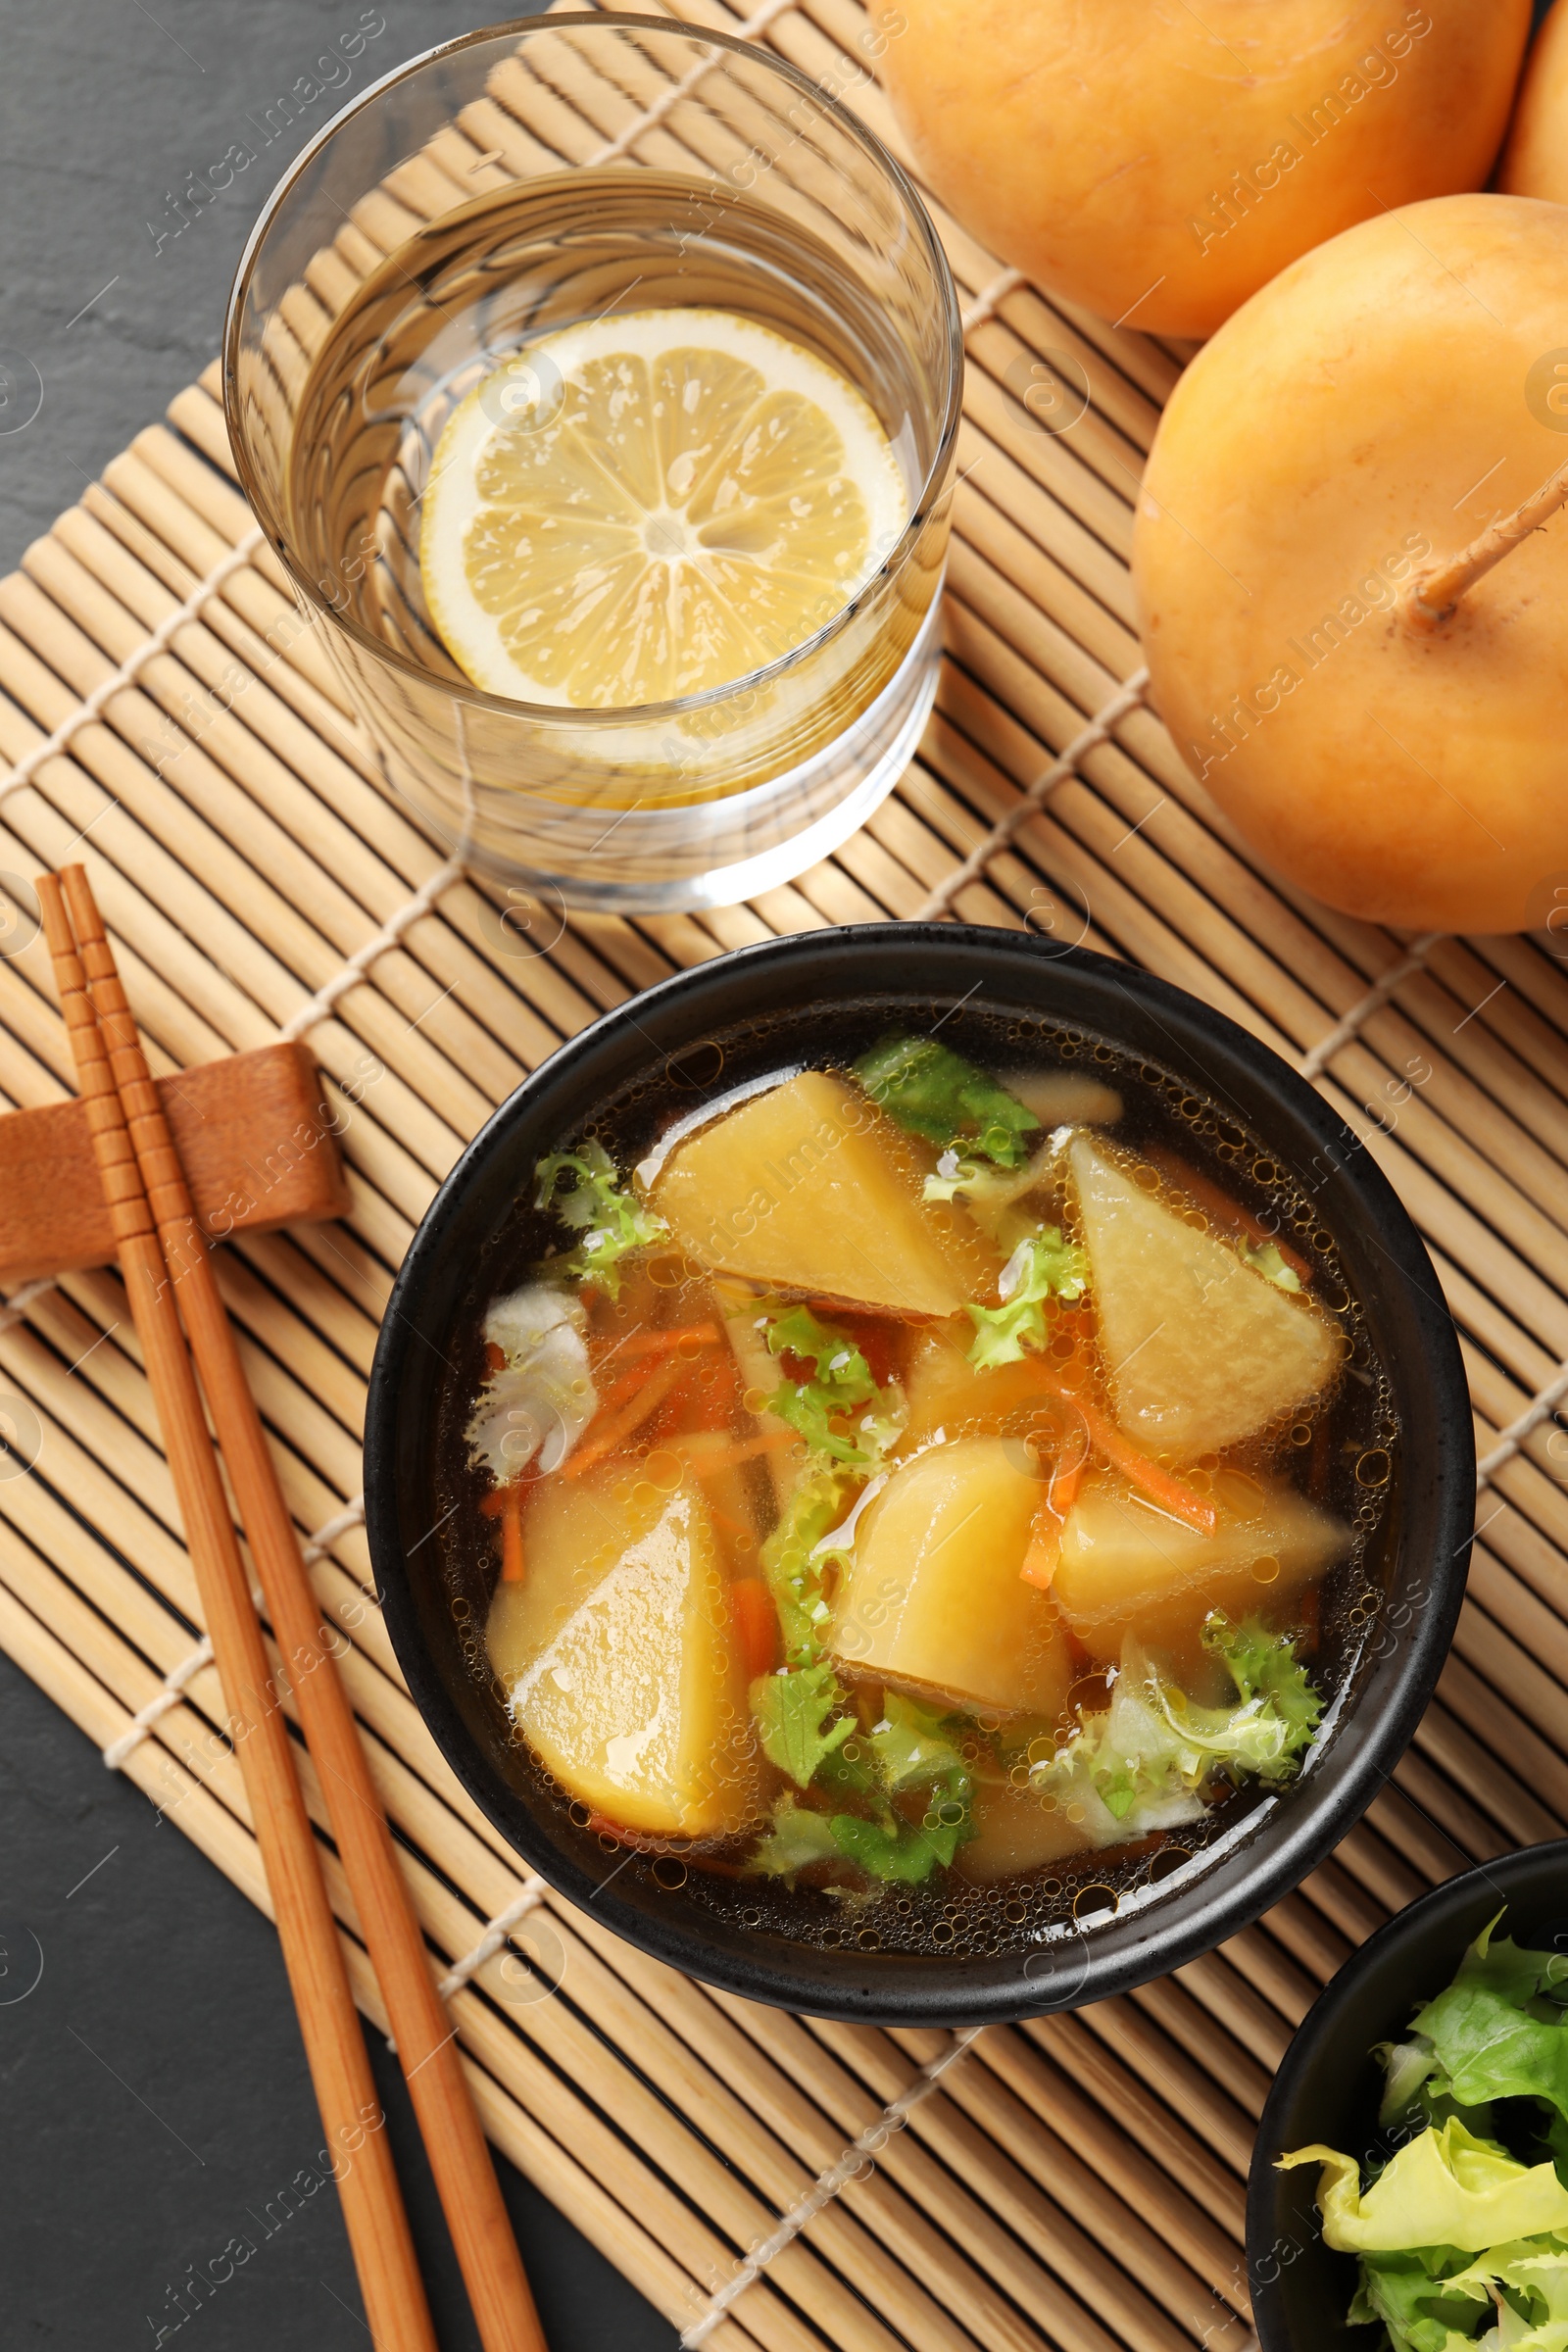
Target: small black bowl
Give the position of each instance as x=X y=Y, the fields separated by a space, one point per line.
x=713 y=1018
x=1328 y=2091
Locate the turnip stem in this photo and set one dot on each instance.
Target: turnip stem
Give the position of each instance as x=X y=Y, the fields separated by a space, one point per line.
x=1432 y=595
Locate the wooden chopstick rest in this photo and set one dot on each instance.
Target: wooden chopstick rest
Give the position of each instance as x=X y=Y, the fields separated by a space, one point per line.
x=460 y=2159
x=254 y=1135
x=334 y=2045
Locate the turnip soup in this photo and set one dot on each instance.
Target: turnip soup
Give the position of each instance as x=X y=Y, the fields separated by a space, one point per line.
x=913 y=1480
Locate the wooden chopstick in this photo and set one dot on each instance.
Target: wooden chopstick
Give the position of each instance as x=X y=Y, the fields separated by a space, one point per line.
x=427 y=2051
x=334 y=2045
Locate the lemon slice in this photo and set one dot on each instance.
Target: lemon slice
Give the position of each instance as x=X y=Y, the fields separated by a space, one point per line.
x=634 y=509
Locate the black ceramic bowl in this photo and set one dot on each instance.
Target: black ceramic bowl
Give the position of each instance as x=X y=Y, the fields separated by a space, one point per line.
x=1329 y=2087
x=828 y=993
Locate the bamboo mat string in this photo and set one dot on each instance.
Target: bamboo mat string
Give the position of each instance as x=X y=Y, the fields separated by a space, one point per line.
x=14 y=1309
x=1099 y=730
x=496 y=1933
x=666 y=102
x=172 y=1687
x=168 y=1696
x=395 y=930
x=94 y=705
x=984 y=304
x=321 y=1543
x=857 y=2159
x=326 y=998
x=1312 y=1065
x=1509 y=1441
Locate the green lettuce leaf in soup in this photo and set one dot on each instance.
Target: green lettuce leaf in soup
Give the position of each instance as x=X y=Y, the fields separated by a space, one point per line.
x=1279 y=1709
x=1153 y=1758
x=1043 y=1266
x=935 y=1093
x=798 y=1839
x=900 y=1850
x=915 y=1746
x=841 y=1368
x=841 y=1385
x=793 y=1709
x=584 y=1189
x=797 y=1710
x=910 y=1748
x=1444 y=2189
x=796 y=1566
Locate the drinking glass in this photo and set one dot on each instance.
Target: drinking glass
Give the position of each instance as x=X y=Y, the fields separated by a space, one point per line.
x=479 y=199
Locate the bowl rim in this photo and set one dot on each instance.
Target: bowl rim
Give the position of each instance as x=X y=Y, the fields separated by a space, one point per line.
x=1367 y=1743
x=1484 y=1886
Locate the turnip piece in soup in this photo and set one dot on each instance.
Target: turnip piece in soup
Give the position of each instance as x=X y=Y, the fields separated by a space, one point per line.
x=946 y=1393
x=810 y=1188
x=1065 y=1098
x=1127 y=1571
x=933 y=1601
x=619 y=1660
x=1200 y=1350
x=1017 y=1829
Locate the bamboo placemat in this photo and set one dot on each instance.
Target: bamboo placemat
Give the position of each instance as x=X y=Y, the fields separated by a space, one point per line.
x=764 y=2180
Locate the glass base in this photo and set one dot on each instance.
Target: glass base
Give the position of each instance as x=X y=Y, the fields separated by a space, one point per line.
x=717 y=853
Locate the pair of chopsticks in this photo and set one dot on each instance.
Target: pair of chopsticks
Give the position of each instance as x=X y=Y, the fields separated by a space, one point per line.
x=179 y=1314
